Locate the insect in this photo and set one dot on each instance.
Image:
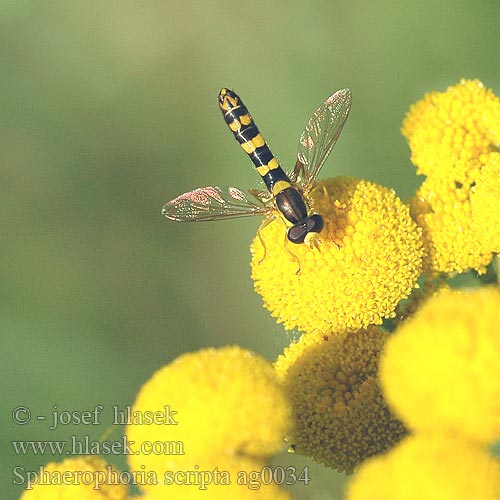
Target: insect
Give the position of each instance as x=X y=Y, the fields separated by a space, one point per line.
x=286 y=195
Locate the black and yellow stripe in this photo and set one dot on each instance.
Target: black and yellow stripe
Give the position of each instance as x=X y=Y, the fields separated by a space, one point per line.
x=253 y=143
x=305 y=226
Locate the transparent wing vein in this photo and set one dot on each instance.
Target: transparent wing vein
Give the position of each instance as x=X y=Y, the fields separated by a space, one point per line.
x=320 y=135
x=212 y=203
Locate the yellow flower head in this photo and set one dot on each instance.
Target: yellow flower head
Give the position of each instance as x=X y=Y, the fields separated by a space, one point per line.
x=227 y=401
x=440 y=370
x=85 y=478
x=432 y=467
x=369 y=259
x=453 y=242
x=485 y=203
x=234 y=478
x=339 y=412
x=447 y=129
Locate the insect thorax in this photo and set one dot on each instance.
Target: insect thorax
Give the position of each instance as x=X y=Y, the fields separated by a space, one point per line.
x=291 y=204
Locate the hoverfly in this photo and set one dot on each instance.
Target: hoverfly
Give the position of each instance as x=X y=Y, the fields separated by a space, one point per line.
x=286 y=195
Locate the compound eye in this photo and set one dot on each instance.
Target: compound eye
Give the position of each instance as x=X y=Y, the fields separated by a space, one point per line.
x=314 y=224
x=296 y=234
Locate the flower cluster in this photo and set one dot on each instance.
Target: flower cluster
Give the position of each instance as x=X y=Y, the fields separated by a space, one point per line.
x=223 y=399
x=215 y=443
x=232 y=392
x=339 y=411
x=373 y=250
x=369 y=260
x=454 y=138
x=440 y=373
x=448 y=131
x=396 y=376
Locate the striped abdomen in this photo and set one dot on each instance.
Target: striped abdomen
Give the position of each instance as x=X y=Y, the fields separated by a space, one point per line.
x=289 y=201
x=250 y=139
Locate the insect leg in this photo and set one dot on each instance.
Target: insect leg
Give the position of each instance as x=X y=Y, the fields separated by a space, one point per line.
x=292 y=254
x=262 y=196
x=298 y=171
x=267 y=221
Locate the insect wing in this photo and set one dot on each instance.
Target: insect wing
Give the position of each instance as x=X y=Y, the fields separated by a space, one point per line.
x=320 y=135
x=211 y=203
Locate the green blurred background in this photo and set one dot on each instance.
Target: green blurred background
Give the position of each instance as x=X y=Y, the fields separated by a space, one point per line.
x=109 y=109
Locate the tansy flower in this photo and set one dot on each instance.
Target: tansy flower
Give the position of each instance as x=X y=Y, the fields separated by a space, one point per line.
x=450 y=135
x=430 y=467
x=445 y=130
x=485 y=202
x=235 y=478
x=83 y=478
x=454 y=243
x=226 y=401
x=369 y=259
x=339 y=412
x=440 y=370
